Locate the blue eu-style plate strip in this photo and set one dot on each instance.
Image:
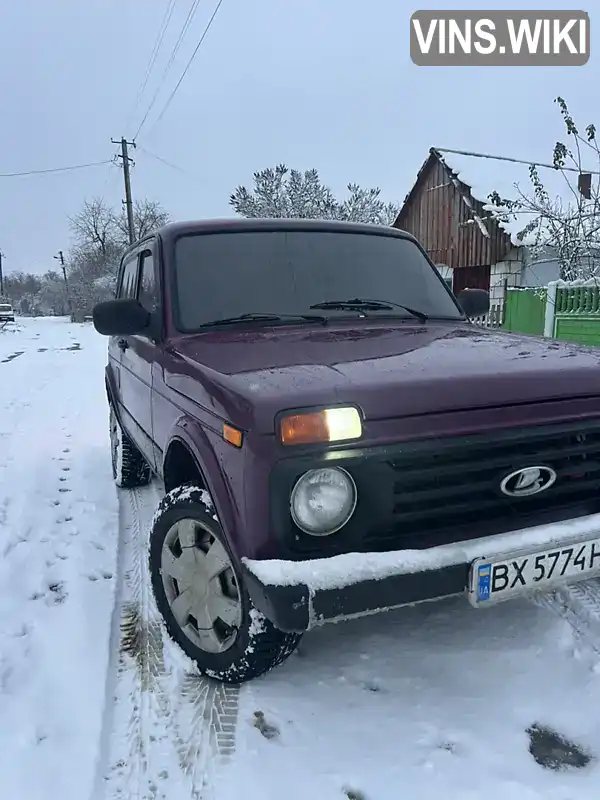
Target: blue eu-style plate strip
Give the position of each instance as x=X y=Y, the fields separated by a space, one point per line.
x=484 y=579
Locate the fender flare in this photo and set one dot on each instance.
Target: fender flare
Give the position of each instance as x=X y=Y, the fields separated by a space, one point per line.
x=194 y=438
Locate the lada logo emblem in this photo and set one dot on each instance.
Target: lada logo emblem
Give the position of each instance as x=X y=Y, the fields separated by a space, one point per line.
x=528 y=481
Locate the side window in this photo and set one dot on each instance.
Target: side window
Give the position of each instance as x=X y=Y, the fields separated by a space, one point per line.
x=129 y=278
x=148 y=295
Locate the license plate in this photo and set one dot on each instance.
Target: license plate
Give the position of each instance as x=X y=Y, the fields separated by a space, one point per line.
x=493 y=580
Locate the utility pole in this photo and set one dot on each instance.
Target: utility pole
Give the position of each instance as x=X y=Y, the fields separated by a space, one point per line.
x=60 y=257
x=128 y=203
x=1 y=275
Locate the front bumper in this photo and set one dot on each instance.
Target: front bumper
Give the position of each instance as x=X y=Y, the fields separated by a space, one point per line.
x=298 y=595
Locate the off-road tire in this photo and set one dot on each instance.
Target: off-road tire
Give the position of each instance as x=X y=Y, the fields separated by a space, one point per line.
x=259 y=646
x=129 y=467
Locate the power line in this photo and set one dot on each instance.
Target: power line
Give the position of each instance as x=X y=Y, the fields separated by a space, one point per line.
x=54 y=169
x=186 y=25
x=514 y=160
x=159 y=40
x=180 y=38
x=109 y=174
x=189 y=64
x=162 y=160
x=154 y=54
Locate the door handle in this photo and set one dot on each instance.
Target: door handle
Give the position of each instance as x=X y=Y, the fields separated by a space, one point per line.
x=122 y=344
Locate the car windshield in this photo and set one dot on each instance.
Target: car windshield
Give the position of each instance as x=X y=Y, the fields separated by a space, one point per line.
x=5 y=308
x=223 y=275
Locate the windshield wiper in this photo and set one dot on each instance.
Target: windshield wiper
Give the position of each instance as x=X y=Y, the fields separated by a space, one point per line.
x=363 y=304
x=256 y=317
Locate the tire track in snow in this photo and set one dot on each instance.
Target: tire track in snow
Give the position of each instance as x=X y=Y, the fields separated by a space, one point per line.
x=167 y=730
x=578 y=605
x=202 y=713
x=135 y=758
x=205 y=724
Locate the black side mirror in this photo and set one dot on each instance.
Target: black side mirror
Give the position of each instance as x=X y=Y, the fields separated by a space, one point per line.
x=474 y=302
x=124 y=317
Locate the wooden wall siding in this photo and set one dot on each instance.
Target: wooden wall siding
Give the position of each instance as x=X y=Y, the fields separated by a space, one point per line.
x=437 y=212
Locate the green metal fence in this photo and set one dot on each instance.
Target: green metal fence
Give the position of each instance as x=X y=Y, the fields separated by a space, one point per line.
x=577 y=300
x=577 y=314
x=569 y=313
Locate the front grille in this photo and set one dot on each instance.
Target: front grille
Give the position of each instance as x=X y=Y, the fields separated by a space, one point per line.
x=421 y=494
x=449 y=490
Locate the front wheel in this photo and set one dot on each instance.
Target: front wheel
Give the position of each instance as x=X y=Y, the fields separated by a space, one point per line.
x=201 y=596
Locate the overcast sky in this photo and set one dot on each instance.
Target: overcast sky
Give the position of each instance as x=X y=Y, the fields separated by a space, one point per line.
x=318 y=83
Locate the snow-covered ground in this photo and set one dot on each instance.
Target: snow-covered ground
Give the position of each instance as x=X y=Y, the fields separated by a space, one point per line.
x=58 y=545
x=96 y=704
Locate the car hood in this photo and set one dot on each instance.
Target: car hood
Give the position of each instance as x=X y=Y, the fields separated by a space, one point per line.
x=389 y=371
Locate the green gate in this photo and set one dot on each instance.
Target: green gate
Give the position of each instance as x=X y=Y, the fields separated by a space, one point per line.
x=525 y=311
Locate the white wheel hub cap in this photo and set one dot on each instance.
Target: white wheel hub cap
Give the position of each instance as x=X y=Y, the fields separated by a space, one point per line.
x=200 y=586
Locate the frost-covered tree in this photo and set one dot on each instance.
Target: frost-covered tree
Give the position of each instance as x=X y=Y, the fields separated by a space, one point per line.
x=566 y=227
x=22 y=289
x=282 y=192
x=52 y=299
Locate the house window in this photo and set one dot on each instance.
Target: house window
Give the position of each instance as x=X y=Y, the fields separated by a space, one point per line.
x=471 y=278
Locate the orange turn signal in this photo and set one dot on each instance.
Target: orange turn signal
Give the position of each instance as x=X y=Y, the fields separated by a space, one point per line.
x=232 y=435
x=304 y=429
x=329 y=425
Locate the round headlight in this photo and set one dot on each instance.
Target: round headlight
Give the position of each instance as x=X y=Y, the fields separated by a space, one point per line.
x=323 y=500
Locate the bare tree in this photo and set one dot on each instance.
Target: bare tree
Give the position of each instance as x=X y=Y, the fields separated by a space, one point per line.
x=99 y=230
x=147 y=216
x=100 y=237
x=95 y=227
x=567 y=227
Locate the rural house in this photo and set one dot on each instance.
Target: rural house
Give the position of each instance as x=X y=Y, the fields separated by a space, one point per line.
x=447 y=209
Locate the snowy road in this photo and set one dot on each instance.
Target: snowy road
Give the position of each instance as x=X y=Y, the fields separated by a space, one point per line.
x=95 y=703
x=58 y=534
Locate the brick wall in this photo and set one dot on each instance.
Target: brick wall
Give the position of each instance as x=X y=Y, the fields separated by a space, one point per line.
x=505 y=273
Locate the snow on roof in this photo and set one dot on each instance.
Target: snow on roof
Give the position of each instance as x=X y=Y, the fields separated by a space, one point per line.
x=485 y=175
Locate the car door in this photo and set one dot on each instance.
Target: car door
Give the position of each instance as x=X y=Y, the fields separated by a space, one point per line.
x=137 y=358
x=126 y=287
